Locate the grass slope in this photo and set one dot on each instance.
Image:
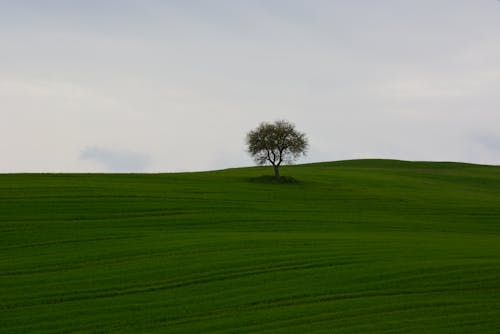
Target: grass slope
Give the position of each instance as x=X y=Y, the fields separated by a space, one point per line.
x=363 y=246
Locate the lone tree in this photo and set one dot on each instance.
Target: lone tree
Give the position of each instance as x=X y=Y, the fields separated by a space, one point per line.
x=276 y=143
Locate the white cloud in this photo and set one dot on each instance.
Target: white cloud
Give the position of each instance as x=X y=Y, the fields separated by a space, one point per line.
x=116 y=160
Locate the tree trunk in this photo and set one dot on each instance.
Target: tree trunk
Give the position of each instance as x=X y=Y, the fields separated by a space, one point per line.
x=276 y=172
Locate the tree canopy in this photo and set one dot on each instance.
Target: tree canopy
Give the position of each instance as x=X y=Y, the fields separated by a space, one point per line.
x=276 y=143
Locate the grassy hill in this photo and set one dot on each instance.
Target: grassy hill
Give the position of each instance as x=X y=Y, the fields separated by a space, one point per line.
x=362 y=246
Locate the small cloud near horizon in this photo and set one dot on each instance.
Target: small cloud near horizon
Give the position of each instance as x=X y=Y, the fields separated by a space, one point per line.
x=489 y=142
x=117 y=160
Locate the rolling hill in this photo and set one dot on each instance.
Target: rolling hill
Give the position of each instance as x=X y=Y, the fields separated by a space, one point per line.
x=362 y=246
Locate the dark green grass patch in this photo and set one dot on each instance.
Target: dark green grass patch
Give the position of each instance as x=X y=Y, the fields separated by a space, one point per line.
x=273 y=180
x=371 y=246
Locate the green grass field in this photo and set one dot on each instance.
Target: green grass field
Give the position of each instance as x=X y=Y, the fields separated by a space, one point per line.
x=366 y=246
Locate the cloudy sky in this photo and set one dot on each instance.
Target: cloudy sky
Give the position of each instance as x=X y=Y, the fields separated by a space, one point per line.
x=159 y=85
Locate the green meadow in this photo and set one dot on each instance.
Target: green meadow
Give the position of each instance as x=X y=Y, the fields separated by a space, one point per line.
x=363 y=246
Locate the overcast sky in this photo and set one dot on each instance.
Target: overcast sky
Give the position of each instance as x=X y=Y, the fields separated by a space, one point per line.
x=158 y=85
